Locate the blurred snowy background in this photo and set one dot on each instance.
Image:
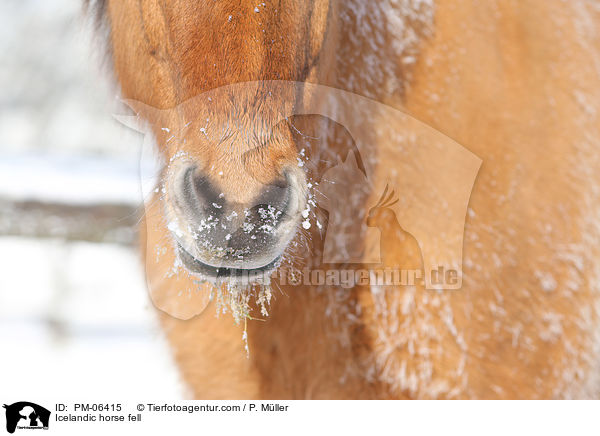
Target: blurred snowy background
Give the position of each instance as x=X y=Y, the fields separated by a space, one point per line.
x=75 y=318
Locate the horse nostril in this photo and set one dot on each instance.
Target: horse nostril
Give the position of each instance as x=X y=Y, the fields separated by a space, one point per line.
x=274 y=198
x=211 y=214
x=263 y=215
x=199 y=195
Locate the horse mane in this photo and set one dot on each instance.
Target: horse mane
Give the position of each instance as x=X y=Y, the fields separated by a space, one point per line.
x=97 y=10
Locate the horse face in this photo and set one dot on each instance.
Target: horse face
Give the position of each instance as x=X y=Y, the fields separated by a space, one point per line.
x=232 y=193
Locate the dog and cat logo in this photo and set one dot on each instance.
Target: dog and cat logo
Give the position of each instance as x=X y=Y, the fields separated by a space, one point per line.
x=26 y=415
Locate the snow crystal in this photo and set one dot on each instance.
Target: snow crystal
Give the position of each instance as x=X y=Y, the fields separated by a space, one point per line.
x=547 y=281
x=173 y=226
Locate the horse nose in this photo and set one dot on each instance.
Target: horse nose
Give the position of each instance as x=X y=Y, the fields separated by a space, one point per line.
x=226 y=229
x=263 y=209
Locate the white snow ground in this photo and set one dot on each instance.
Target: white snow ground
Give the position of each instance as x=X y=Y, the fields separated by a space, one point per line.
x=75 y=319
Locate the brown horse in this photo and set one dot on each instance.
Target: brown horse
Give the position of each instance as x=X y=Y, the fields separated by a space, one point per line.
x=516 y=82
